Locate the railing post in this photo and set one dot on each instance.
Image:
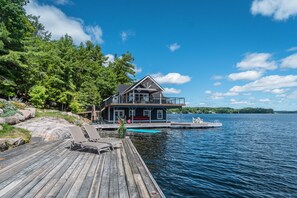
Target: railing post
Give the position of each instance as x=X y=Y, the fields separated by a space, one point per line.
x=133 y=96
x=160 y=98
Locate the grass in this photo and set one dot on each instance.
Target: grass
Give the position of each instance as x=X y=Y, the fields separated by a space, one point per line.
x=9 y=131
x=58 y=114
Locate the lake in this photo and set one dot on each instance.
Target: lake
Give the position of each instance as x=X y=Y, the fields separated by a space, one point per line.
x=252 y=155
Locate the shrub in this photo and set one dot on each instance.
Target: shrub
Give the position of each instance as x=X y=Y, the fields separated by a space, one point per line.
x=8 y=108
x=122 y=129
x=38 y=95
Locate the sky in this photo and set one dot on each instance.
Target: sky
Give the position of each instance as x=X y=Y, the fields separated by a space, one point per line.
x=215 y=53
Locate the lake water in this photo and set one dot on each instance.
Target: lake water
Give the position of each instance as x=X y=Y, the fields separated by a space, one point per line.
x=250 y=156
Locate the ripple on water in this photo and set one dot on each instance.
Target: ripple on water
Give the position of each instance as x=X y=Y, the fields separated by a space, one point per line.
x=250 y=156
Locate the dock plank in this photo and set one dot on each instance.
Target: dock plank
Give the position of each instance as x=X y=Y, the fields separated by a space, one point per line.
x=54 y=170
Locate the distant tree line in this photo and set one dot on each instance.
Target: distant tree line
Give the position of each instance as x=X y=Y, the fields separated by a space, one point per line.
x=54 y=73
x=222 y=110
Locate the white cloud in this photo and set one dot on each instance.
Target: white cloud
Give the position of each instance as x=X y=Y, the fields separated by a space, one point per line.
x=217 y=84
x=126 y=34
x=208 y=92
x=62 y=2
x=171 y=78
x=264 y=100
x=96 y=33
x=278 y=9
x=233 y=101
x=220 y=95
x=217 y=77
x=59 y=24
x=276 y=91
x=268 y=83
x=110 y=59
x=138 y=69
x=289 y=62
x=292 y=49
x=173 y=47
x=202 y=104
x=247 y=75
x=261 y=61
x=171 y=90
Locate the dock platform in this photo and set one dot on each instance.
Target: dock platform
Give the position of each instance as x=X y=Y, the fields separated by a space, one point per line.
x=176 y=125
x=53 y=170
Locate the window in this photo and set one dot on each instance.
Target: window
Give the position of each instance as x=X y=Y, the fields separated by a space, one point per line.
x=131 y=113
x=130 y=97
x=159 y=114
x=147 y=113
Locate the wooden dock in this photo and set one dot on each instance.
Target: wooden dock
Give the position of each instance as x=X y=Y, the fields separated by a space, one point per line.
x=53 y=170
x=176 y=125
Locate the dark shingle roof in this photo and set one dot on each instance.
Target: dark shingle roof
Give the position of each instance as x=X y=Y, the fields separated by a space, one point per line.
x=122 y=88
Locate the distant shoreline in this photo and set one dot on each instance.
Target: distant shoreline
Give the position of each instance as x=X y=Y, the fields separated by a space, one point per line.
x=226 y=110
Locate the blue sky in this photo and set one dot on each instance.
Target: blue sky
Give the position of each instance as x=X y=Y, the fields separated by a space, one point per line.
x=215 y=53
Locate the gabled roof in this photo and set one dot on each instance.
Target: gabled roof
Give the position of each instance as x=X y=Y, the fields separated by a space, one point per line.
x=140 y=81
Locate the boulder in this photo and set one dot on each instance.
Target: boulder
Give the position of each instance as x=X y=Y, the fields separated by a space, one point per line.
x=32 y=111
x=26 y=113
x=20 y=117
x=3 y=145
x=15 y=141
x=1 y=111
x=47 y=128
x=12 y=119
x=1 y=127
x=2 y=120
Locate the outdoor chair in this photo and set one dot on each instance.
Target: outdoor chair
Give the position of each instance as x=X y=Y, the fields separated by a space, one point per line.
x=80 y=141
x=94 y=136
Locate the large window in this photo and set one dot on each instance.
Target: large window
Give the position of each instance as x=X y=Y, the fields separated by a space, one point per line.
x=147 y=113
x=159 y=114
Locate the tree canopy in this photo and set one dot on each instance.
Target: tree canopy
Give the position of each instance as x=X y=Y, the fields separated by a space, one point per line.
x=54 y=73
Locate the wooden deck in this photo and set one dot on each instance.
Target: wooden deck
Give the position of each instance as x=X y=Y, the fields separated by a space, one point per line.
x=180 y=125
x=53 y=170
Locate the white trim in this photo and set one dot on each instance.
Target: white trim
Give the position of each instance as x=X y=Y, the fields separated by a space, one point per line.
x=162 y=113
x=131 y=114
x=139 y=82
x=118 y=110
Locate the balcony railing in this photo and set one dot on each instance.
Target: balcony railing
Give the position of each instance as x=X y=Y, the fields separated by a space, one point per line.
x=144 y=100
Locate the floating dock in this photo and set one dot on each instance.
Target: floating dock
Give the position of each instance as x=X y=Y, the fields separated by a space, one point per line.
x=176 y=125
x=53 y=170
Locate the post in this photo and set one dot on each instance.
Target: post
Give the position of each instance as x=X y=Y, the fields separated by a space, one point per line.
x=93 y=113
x=113 y=115
x=108 y=119
x=133 y=96
x=160 y=98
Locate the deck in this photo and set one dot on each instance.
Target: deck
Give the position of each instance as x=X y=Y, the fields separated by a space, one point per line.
x=176 y=125
x=53 y=170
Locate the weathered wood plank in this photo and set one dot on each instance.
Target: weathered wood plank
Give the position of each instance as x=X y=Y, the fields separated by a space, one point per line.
x=25 y=184
x=87 y=184
x=137 y=177
x=20 y=159
x=20 y=172
x=70 y=181
x=95 y=188
x=105 y=183
x=153 y=191
x=153 y=187
x=114 y=185
x=73 y=192
x=123 y=190
x=132 y=189
x=52 y=181
x=57 y=187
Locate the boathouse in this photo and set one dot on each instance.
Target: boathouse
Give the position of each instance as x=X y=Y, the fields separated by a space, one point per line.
x=144 y=101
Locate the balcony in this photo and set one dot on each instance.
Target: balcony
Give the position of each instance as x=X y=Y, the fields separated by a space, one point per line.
x=144 y=101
